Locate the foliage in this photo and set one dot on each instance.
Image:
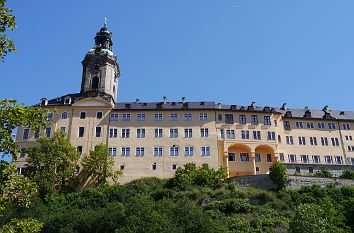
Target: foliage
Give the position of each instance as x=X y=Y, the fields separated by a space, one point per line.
x=347 y=174
x=97 y=167
x=22 y=226
x=190 y=175
x=52 y=163
x=7 y=21
x=324 y=172
x=279 y=174
x=231 y=206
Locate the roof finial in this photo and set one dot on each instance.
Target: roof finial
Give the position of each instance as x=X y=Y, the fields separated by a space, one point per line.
x=105 y=22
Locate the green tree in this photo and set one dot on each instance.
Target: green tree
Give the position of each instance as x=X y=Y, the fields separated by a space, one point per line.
x=279 y=174
x=97 y=167
x=7 y=21
x=22 y=226
x=347 y=174
x=52 y=164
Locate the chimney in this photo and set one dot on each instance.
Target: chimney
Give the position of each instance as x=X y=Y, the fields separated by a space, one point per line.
x=253 y=105
x=284 y=107
x=183 y=99
x=325 y=108
x=164 y=99
x=219 y=105
x=137 y=101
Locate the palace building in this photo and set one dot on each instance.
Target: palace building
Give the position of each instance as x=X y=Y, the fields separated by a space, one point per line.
x=155 y=138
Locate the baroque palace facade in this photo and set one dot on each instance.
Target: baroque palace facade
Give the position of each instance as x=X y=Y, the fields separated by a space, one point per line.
x=155 y=138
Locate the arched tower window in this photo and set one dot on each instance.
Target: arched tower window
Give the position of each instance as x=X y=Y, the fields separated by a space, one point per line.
x=114 y=90
x=95 y=82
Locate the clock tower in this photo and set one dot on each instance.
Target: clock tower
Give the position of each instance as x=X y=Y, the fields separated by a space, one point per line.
x=100 y=68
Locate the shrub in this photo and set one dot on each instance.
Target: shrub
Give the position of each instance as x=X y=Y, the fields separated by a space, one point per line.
x=324 y=172
x=231 y=206
x=22 y=226
x=347 y=174
x=279 y=175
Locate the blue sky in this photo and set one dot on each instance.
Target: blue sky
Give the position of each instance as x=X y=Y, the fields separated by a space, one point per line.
x=230 y=51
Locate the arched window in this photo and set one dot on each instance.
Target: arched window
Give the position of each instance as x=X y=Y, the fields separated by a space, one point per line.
x=95 y=82
x=64 y=115
x=114 y=90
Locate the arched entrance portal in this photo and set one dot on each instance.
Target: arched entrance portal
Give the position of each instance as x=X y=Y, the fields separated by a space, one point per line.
x=264 y=157
x=240 y=160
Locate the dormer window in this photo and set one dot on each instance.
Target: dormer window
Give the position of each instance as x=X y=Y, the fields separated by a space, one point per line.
x=288 y=114
x=44 y=102
x=233 y=107
x=67 y=100
x=307 y=113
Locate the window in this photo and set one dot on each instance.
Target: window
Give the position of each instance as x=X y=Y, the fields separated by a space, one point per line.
x=125 y=133
x=125 y=151
x=242 y=119
x=320 y=125
x=232 y=157
x=64 y=115
x=257 y=135
x=174 y=167
x=316 y=159
x=310 y=125
x=219 y=117
x=302 y=140
x=324 y=141
x=158 y=133
x=173 y=133
x=349 y=138
x=50 y=116
x=126 y=117
x=338 y=159
x=258 y=158
x=305 y=159
x=281 y=157
x=229 y=118
x=139 y=151
x=48 y=132
x=313 y=141
x=254 y=119
x=292 y=158
x=269 y=158
x=112 y=151
x=158 y=151
x=310 y=169
x=287 y=125
x=271 y=136
x=36 y=135
x=222 y=133
x=205 y=151
x=244 y=157
x=350 y=148
x=267 y=120
x=335 y=141
x=158 y=117
x=82 y=115
x=25 y=133
x=299 y=125
x=230 y=134
x=81 y=132
x=331 y=125
x=98 y=131
x=245 y=134
x=203 y=116
x=297 y=169
x=140 y=117
x=79 y=149
x=173 y=117
x=122 y=167
x=289 y=140
x=154 y=167
x=279 y=138
x=173 y=151
x=328 y=159
x=99 y=115
x=351 y=161
x=187 y=133
x=346 y=126
x=63 y=129
x=204 y=132
x=113 y=133
x=140 y=133
x=67 y=100
x=188 y=116
x=257 y=169
x=114 y=117
x=189 y=151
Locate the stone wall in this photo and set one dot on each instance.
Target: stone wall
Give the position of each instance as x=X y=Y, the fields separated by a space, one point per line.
x=305 y=169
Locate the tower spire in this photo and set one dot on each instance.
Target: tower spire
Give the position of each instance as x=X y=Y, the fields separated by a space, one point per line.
x=105 y=22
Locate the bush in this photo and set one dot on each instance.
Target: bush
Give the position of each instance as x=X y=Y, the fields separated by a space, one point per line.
x=347 y=174
x=231 y=206
x=22 y=226
x=324 y=172
x=279 y=175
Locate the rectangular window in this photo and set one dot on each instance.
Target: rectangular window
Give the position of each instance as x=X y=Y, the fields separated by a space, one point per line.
x=349 y=138
x=258 y=158
x=113 y=151
x=257 y=135
x=289 y=140
x=126 y=117
x=81 y=132
x=82 y=115
x=154 y=167
x=173 y=117
x=302 y=141
x=140 y=133
x=230 y=134
x=158 y=151
x=222 y=133
x=305 y=159
x=232 y=157
x=324 y=141
x=113 y=133
x=244 y=157
x=299 y=125
x=350 y=148
x=139 y=151
x=269 y=158
x=267 y=120
x=245 y=134
x=219 y=117
x=125 y=133
x=320 y=125
x=338 y=159
x=205 y=151
x=48 y=132
x=335 y=141
x=203 y=116
x=281 y=157
x=271 y=135
x=99 y=115
x=158 y=133
x=174 y=167
x=63 y=129
x=351 y=161
x=158 y=117
x=25 y=133
x=36 y=135
x=79 y=149
x=313 y=141
x=331 y=125
x=173 y=151
x=188 y=116
x=204 y=132
x=292 y=158
x=173 y=133
x=328 y=159
x=254 y=119
x=187 y=133
x=229 y=118
x=98 y=131
x=310 y=125
x=242 y=119
x=346 y=126
x=113 y=117
x=125 y=151
x=189 y=151
x=140 y=117
x=316 y=159
x=287 y=125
